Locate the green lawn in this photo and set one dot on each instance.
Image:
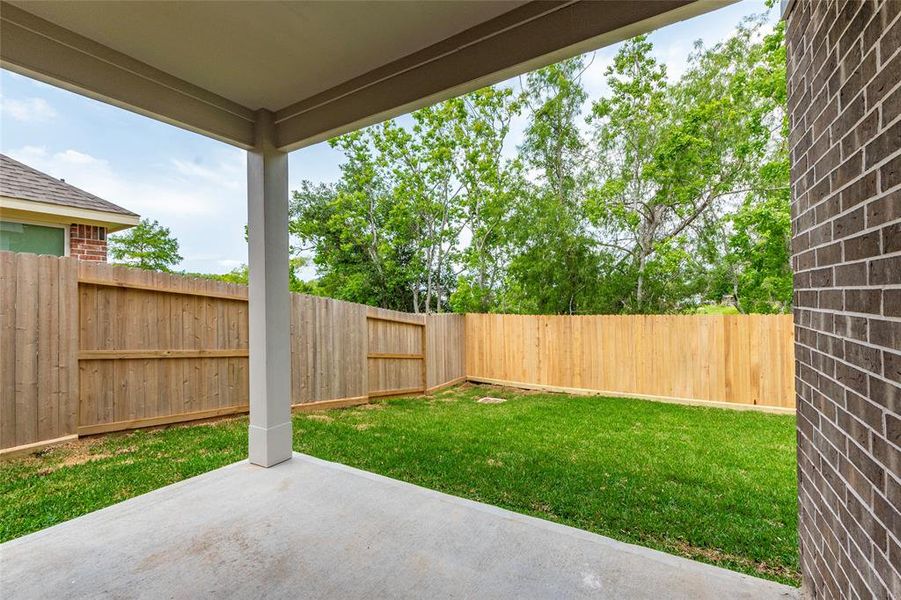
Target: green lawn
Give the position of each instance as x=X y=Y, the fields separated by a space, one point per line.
x=714 y=485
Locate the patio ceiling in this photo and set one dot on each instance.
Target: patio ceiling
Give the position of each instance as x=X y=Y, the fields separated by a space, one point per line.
x=322 y=68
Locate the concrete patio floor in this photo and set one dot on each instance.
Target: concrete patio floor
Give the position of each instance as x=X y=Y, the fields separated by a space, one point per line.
x=313 y=529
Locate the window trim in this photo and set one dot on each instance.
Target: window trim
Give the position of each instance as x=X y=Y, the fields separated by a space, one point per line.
x=66 y=228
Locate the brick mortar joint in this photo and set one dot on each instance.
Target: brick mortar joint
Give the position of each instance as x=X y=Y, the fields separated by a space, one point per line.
x=834 y=99
x=864 y=171
x=863 y=343
x=865 y=262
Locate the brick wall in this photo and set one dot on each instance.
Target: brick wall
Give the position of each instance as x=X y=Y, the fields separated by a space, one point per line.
x=87 y=242
x=844 y=104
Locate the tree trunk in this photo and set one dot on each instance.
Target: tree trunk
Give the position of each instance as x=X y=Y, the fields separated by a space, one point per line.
x=483 y=299
x=639 y=291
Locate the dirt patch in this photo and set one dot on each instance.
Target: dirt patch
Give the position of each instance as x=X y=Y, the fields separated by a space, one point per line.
x=81 y=458
x=371 y=406
x=61 y=451
x=491 y=400
x=506 y=389
x=320 y=417
x=80 y=454
x=715 y=555
x=211 y=422
x=362 y=426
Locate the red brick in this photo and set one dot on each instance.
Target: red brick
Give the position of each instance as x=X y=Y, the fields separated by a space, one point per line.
x=87 y=242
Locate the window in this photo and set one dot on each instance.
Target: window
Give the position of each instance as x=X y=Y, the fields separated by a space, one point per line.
x=39 y=239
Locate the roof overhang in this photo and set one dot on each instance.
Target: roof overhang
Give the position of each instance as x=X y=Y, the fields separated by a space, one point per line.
x=46 y=212
x=347 y=65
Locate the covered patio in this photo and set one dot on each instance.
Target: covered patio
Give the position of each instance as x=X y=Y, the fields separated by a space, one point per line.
x=271 y=78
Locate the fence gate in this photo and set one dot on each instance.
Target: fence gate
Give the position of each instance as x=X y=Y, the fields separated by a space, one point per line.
x=397 y=353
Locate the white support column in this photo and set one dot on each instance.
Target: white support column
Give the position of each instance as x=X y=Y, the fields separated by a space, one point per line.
x=270 y=315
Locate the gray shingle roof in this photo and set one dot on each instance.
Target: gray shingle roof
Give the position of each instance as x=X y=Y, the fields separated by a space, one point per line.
x=21 y=181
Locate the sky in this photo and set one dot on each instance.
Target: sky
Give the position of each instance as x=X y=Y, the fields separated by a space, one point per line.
x=197 y=186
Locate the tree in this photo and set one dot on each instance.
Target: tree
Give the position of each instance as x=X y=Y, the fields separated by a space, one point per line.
x=554 y=268
x=756 y=248
x=491 y=186
x=672 y=156
x=360 y=241
x=388 y=233
x=759 y=249
x=674 y=192
x=148 y=245
x=241 y=275
x=422 y=165
x=629 y=129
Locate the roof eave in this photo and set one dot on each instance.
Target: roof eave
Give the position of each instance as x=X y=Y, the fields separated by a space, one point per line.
x=23 y=208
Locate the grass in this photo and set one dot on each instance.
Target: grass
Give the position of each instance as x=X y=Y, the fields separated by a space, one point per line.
x=713 y=485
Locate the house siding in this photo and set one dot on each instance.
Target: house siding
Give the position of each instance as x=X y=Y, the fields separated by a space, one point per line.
x=87 y=242
x=844 y=103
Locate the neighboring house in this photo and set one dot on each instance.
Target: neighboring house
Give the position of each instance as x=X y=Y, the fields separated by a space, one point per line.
x=45 y=215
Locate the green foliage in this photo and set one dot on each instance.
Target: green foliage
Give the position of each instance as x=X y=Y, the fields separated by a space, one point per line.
x=491 y=188
x=238 y=275
x=388 y=233
x=674 y=155
x=717 y=309
x=759 y=249
x=673 y=194
x=148 y=245
x=362 y=248
x=553 y=268
x=751 y=249
x=241 y=276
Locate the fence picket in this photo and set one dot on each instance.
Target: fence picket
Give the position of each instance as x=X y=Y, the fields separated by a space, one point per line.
x=737 y=359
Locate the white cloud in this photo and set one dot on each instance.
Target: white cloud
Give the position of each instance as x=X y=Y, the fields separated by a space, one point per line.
x=74 y=157
x=27 y=110
x=203 y=206
x=160 y=195
x=227 y=173
x=594 y=79
x=230 y=264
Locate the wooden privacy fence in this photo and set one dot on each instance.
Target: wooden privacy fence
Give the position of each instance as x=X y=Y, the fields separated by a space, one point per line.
x=732 y=359
x=88 y=348
x=156 y=348
x=347 y=353
x=38 y=349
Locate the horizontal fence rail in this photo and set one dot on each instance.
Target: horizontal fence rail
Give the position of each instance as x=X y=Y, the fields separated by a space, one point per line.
x=89 y=348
